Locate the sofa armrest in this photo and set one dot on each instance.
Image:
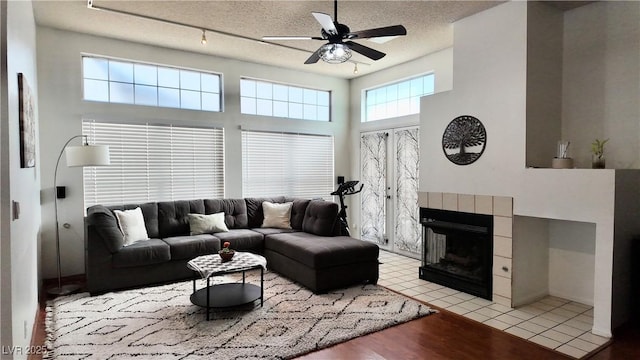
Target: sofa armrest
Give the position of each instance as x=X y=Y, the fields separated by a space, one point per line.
x=105 y=224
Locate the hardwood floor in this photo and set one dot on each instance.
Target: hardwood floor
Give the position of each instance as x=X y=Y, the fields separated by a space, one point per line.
x=439 y=336
x=444 y=335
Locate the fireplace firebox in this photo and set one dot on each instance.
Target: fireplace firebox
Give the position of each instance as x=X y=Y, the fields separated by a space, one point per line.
x=457 y=250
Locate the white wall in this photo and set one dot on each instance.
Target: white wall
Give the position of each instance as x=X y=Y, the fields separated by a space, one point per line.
x=59 y=66
x=530 y=267
x=19 y=242
x=572 y=260
x=489 y=67
x=601 y=82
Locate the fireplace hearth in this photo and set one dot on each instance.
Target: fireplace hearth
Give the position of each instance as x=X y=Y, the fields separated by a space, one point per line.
x=457 y=250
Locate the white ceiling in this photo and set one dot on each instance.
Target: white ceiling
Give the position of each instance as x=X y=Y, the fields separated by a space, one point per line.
x=428 y=25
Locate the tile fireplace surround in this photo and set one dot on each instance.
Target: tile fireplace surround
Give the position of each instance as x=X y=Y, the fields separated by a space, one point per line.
x=501 y=207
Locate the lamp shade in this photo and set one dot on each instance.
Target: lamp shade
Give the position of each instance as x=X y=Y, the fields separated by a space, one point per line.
x=88 y=155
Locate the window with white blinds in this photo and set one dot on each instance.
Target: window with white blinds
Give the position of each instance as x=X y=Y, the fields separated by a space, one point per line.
x=297 y=165
x=154 y=163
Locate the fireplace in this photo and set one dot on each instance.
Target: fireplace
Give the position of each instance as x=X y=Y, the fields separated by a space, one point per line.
x=457 y=250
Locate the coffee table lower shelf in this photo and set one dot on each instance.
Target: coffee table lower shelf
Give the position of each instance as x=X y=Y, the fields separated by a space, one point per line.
x=226 y=295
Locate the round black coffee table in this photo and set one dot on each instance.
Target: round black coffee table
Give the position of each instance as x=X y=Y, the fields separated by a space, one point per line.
x=227 y=294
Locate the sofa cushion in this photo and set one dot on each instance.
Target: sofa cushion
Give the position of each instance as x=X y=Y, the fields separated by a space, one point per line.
x=255 y=214
x=189 y=247
x=152 y=251
x=242 y=239
x=235 y=211
x=173 y=216
x=321 y=252
x=271 y=231
x=320 y=218
x=298 y=210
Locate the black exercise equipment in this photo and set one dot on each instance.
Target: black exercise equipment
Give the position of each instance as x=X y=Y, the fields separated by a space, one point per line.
x=345 y=189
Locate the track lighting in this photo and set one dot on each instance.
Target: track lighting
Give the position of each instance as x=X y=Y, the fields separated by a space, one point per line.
x=203 y=40
x=355 y=68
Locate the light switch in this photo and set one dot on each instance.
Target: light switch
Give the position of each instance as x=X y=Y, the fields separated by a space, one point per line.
x=15 y=209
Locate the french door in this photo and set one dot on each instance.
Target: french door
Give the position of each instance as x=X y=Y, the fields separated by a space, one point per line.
x=389 y=201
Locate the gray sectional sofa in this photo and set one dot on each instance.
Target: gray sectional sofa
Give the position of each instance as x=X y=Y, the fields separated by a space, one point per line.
x=310 y=253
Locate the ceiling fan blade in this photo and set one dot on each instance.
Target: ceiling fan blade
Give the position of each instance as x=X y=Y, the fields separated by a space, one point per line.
x=314 y=57
x=276 y=38
x=364 y=50
x=395 y=30
x=326 y=22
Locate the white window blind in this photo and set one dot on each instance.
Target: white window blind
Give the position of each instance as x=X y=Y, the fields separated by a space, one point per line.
x=154 y=163
x=296 y=165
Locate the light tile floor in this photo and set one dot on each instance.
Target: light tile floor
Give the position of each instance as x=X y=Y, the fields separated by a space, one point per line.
x=552 y=322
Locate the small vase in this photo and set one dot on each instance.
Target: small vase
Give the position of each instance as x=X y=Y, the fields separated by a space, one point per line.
x=226 y=256
x=597 y=162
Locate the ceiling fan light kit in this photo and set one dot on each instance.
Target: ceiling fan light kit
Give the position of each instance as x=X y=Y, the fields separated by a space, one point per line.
x=335 y=53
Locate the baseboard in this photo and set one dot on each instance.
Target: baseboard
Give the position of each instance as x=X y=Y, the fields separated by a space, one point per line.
x=528 y=299
x=572 y=298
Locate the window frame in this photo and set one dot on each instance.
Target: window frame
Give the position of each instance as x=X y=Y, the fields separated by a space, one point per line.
x=365 y=105
x=326 y=105
x=136 y=84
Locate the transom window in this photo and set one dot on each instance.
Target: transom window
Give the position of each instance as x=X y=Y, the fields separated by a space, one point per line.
x=116 y=81
x=154 y=163
x=397 y=99
x=259 y=97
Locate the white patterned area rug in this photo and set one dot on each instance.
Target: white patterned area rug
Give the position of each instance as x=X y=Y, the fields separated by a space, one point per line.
x=161 y=323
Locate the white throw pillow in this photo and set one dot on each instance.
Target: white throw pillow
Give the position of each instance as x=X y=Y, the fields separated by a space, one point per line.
x=131 y=223
x=207 y=224
x=277 y=215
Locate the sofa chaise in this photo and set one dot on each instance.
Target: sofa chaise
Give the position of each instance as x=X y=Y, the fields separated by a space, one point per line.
x=309 y=251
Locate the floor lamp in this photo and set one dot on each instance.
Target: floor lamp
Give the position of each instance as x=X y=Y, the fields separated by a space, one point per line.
x=85 y=155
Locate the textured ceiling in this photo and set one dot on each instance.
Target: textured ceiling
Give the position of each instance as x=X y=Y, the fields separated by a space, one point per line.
x=428 y=25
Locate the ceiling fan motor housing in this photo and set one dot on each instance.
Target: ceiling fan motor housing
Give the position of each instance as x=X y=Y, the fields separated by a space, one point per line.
x=343 y=30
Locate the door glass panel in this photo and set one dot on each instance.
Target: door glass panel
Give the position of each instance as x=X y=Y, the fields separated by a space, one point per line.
x=373 y=152
x=407 y=232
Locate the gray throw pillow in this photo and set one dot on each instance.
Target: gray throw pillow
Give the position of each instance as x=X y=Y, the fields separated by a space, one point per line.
x=207 y=224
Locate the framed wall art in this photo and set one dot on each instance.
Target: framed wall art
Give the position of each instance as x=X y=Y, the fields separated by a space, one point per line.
x=464 y=140
x=27 y=124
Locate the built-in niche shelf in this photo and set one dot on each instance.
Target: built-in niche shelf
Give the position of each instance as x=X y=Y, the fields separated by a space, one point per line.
x=553 y=257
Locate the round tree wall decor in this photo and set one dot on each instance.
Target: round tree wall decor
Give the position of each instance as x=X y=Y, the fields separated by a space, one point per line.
x=464 y=140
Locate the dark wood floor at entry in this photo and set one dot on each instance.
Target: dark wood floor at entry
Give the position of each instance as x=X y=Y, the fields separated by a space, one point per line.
x=444 y=335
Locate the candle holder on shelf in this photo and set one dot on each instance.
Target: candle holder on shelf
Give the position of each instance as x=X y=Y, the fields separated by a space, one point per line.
x=562 y=159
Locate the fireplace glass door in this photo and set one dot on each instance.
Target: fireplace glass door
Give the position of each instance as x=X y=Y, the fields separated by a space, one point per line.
x=457 y=250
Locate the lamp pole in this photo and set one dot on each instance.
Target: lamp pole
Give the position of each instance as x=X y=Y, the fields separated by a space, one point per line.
x=70 y=288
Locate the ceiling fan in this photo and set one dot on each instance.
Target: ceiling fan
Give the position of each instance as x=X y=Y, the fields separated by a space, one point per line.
x=339 y=36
